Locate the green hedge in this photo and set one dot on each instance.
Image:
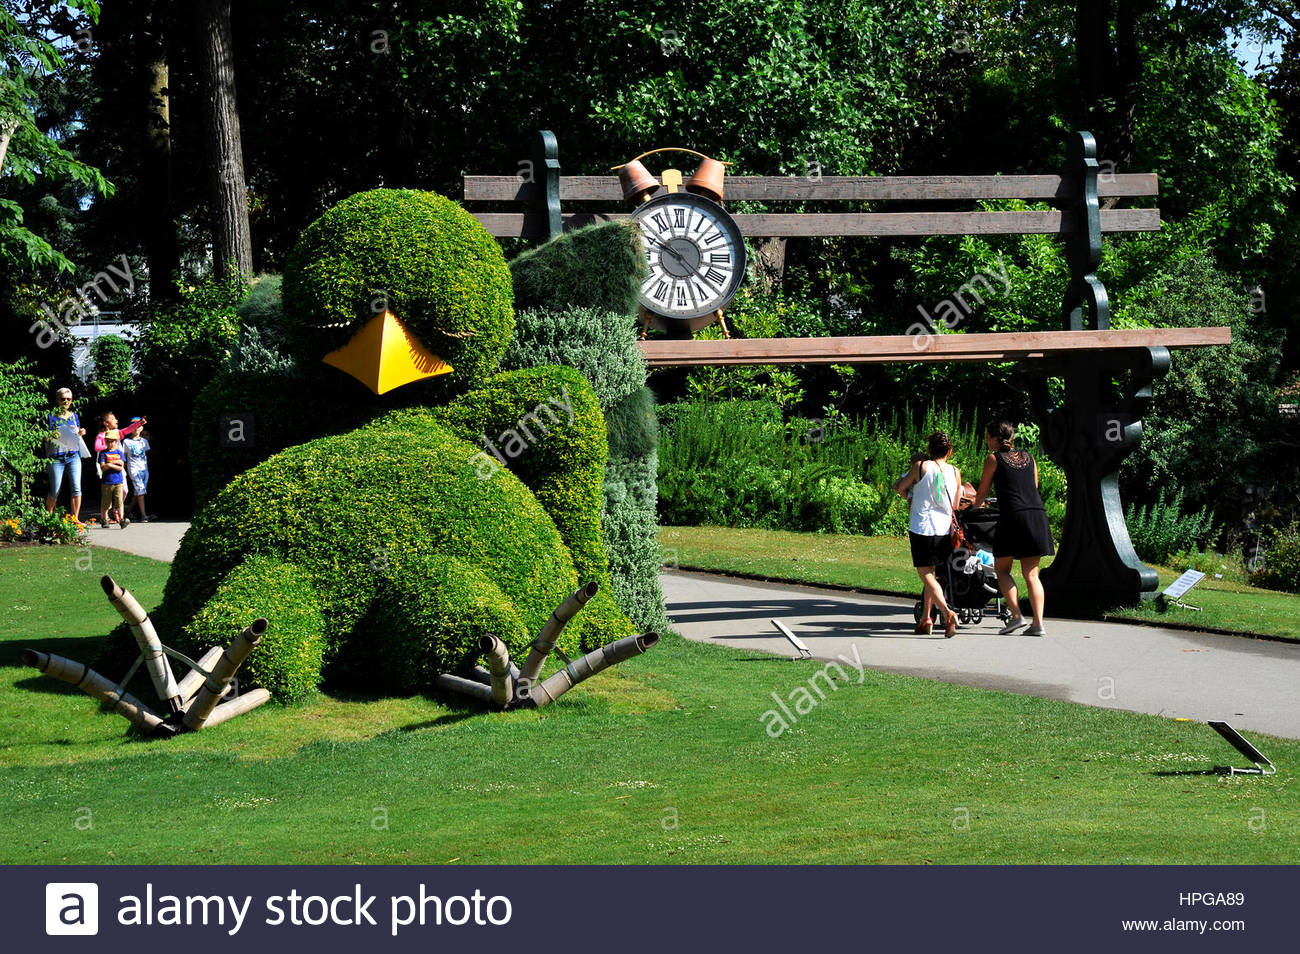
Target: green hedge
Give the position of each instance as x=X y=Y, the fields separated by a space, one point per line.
x=599 y=267
x=288 y=660
x=23 y=401
x=420 y=255
x=577 y=295
x=633 y=425
x=563 y=462
x=112 y=359
x=284 y=407
x=366 y=517
x=631 y=531
x=600 y=344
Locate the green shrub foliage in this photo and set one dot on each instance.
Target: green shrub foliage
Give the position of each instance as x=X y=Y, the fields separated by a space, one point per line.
x=1281 y=569
x=112 y=358
x=549 y=418
x=578 y=293
x=739 y=464
x=373 y=518
x=182 y=345
x=23 y=402
x=416 y=254
x=600 y=267
x=600 y=344
x=1161 y=529
x=276 y=413
x=631 y=533
x=287 y=662
x=632 y=425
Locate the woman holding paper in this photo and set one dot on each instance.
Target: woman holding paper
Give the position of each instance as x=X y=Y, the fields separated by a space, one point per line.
x=63 y=448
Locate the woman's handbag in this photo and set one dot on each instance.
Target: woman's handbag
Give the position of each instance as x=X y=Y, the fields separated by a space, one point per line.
x=956 y=535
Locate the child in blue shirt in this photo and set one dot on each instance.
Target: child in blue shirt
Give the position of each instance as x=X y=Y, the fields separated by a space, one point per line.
x=112 y=499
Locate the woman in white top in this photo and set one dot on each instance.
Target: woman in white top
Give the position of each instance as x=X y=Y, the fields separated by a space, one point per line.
x=935 y=486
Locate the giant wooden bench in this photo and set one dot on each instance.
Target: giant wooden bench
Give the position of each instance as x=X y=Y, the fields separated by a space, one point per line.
x=1107 y=373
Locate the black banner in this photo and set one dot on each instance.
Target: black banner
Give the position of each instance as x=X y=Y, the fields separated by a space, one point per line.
x=644 y=909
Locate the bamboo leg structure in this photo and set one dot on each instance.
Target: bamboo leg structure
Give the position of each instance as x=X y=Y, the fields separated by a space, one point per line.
x=503 y=689
x=191 y=681
x=155 y=660
x=218 y=682
x=545 y=641
x=595 y=661
x=100 y=687
x=466 y=687
x=246 y=702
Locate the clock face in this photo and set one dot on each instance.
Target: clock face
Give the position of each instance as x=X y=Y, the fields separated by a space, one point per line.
x=695 y=253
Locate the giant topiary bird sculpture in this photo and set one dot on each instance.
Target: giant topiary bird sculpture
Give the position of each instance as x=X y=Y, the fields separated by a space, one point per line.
x=394 y=555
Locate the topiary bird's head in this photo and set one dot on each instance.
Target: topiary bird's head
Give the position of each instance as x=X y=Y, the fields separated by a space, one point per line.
x=395 y=286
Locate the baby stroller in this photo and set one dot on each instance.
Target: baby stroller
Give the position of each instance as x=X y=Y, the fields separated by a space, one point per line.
x=968 y=580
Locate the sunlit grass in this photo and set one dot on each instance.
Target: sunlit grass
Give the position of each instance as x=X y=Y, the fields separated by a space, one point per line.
x=664 y=760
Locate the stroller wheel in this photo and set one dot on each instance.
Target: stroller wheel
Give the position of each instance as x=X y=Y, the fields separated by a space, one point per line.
x=964 y=616
x=977 y=616
x=916 y=612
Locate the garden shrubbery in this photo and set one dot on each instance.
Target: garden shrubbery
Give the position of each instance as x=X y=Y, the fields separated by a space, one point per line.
x=578 y=294
x=1162 y=529
x=599 y=267
x=740 y=464
x=1281 y=570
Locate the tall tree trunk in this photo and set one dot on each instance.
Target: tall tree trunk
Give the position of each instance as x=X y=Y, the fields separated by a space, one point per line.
x=1093 y=53
x=160 y=238
x=232 y=243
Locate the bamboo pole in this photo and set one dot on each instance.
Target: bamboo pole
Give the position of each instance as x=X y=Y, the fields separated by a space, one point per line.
x=595 y=661
x=155 y=660
x=191 y=681
x=218 y=681
x=498 y=656
x=545 y=641
x=465 y=687
x=100 y=687
x=246 y=702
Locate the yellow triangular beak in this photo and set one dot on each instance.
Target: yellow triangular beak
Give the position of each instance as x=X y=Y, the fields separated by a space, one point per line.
x=385 y=355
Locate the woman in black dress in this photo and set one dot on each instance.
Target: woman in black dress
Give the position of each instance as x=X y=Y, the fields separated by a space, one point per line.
x=1022 y=533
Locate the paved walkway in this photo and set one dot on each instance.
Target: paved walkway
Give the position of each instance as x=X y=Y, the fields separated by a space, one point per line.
x=1250 y=683
x=157 y=539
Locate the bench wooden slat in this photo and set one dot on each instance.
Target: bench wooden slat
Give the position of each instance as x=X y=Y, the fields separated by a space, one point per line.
x=533 y=224
x=1003 y=346
x=838 y=188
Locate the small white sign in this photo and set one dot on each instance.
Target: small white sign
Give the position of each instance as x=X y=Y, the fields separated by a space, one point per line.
x=71 y=907
x=1180 y=586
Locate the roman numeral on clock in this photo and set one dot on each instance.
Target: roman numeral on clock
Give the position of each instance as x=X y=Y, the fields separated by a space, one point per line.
x=714 y=237
x=714 y=276
x=720 y=258
x=681 y=296
x=661 y=291
x=679 y=218
x=660 y=221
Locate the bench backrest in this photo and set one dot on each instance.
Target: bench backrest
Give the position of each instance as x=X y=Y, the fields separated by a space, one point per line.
x=531 y=221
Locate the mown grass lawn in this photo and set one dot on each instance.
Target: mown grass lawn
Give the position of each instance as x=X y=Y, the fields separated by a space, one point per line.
x=884 y=564
x=664 y=760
